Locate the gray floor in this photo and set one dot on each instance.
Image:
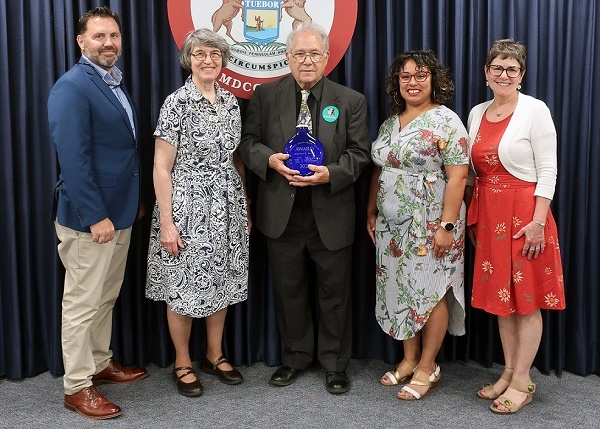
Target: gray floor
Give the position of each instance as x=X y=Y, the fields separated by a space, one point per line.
x=154 y=403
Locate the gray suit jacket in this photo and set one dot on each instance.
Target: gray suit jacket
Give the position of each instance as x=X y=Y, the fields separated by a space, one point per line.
x=271 y=121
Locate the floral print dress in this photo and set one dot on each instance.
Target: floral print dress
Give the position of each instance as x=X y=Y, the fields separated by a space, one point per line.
x=409 y=280
x=504 y=281
x=208 y=205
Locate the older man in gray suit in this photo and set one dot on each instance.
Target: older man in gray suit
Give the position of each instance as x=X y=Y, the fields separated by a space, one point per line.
x=309 y=219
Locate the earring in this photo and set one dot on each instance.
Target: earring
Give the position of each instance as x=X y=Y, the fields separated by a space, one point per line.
x=487 y=83
x=433 y=98
x=519 y=86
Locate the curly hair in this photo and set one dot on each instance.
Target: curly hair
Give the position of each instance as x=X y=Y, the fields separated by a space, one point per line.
x=442 y=87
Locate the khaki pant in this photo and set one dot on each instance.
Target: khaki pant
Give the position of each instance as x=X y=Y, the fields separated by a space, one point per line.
x=93 y=278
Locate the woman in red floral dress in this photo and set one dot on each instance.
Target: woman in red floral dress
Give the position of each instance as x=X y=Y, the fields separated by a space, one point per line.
x=518 y=268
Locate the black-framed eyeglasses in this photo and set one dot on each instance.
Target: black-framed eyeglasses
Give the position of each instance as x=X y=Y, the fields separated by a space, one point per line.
x=314 y=56
x=496 y=70
x=201 y=56
x=420 y=76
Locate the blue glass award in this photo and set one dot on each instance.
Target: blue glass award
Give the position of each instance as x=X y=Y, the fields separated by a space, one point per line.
x=304 y=148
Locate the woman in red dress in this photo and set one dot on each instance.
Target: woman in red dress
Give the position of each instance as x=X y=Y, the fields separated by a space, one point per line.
x=518 y=268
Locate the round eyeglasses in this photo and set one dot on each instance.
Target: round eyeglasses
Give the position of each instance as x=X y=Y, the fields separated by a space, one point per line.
x=420 y=76
x=201 y=56
x=496 y=70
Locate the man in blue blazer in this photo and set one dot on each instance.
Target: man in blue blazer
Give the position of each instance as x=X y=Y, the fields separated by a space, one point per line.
x=309 y=220
x=93 y=126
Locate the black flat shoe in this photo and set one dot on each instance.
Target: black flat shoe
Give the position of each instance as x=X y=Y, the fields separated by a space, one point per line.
x=228 y=377
x=284 y=376
x=337 y=382
x=193 y=388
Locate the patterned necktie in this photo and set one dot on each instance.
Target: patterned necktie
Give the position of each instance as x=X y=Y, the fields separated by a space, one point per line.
x=304 y=115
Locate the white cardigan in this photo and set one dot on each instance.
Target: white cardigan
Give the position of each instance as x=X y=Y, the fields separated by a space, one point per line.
x=528 y=147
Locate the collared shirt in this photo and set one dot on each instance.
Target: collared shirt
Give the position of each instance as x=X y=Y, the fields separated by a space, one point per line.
x=113 y=80
x=204 y=134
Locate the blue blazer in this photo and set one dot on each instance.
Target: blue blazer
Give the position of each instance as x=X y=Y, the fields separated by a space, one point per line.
x=97 y=152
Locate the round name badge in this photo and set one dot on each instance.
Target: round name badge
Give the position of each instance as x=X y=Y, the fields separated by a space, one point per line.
x=330 y=113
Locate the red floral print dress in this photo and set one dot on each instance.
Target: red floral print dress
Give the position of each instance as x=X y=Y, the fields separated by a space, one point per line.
x=504 y=281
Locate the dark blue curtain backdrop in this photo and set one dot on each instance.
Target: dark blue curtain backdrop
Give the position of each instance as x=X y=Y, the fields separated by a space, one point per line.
x=38 y=45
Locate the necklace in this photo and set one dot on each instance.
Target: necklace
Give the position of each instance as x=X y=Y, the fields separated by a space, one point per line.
x=496 y=109
x=508 y=107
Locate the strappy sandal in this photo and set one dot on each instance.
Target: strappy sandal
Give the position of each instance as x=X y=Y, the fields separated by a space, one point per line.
x=193 y=388
x=394 y=376
x=490 y=393
x=519 y=386
x=421 y=378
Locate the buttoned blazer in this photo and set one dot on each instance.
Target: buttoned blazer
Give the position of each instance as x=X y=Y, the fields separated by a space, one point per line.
x=97 y=152
x=271 y=121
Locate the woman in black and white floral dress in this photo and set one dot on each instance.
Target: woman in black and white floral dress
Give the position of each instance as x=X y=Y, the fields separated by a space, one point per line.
x=198 y=252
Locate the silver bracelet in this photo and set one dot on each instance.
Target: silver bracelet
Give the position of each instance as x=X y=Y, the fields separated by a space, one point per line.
x=537 y=222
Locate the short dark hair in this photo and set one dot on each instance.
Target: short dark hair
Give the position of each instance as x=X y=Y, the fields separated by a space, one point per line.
x=97 y=12
x=442 y=88
x=507 y=48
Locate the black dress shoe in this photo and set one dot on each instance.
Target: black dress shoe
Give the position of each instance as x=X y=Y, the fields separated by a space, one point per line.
x=228 y=377
x=284 y=376
x=193 y=388
x=337 y=382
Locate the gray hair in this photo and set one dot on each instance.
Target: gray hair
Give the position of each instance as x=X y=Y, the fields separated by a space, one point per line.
x=308 y=27
x=202 y=37
x=507 y=48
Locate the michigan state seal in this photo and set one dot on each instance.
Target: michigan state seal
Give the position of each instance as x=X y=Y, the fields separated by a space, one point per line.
x=257 y=30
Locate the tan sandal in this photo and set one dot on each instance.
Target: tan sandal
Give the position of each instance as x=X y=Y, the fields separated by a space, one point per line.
x=490 y=393
x=421 y=378
x=394 y=376
x=519 y=386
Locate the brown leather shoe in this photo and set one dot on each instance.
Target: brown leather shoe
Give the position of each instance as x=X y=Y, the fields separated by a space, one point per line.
x=115 y=373
x=90 y=403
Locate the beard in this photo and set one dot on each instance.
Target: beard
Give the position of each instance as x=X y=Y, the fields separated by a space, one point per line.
x=96 y=57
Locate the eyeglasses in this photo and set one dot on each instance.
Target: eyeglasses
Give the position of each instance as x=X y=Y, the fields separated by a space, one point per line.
x=420 y=76
x=496 y=70
x=201 y=56
x=315 y=56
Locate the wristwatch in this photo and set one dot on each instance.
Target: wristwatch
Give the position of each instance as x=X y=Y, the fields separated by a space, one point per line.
x=447 y=226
